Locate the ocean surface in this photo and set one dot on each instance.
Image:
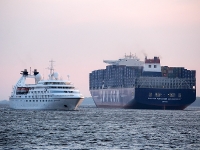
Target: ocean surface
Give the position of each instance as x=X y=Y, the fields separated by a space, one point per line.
x=96 y=128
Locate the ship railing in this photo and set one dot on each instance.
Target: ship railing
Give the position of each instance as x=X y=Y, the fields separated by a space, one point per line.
x=29 y=84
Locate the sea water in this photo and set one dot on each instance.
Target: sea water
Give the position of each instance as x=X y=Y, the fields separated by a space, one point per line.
x=98 y=128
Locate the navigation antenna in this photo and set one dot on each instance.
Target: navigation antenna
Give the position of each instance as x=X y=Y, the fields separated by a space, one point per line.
x=51 y=70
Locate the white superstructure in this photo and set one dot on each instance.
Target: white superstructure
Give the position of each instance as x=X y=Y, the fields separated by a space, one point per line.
x=152 y=65
x=51 y=94
x=128 y=60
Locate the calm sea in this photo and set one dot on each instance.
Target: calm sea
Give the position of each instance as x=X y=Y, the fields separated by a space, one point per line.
x=95 y=128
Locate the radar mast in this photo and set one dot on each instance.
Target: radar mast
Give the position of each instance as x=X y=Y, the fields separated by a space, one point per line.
x=51 y=70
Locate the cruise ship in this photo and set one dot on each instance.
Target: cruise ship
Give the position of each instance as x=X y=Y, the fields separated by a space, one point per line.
x=50 y=94
x=134 y=84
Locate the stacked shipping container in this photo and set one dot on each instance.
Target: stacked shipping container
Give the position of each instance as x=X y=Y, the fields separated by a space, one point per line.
x=124 y=76
x=177 y=72
x=114 y=76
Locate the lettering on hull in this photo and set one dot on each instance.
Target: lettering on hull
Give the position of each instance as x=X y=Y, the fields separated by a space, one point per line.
x=154 y=98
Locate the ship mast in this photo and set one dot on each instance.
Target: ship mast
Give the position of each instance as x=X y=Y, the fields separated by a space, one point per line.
x=51 y=70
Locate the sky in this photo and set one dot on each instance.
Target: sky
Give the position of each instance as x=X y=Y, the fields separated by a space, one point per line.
x=79 y=34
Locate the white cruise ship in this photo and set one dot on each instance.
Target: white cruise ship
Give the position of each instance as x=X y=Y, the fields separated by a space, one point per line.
x=52 y=94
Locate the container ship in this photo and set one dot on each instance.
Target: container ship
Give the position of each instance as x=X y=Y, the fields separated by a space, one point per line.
x=134 y=84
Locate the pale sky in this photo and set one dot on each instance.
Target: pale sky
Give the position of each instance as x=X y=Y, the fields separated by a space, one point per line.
x=80 y=34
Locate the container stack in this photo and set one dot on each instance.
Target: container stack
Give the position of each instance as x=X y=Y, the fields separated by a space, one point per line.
x=91 y=80
x=129 y=76
x=118 y=75
x=164 y=70
x=189 y=73
x=177 y=72
x=96 y=78
x=114 y=76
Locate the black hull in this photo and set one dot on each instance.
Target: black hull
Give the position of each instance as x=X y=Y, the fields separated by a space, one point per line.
x=138 y=105
x=139 y=98
x=144 y=106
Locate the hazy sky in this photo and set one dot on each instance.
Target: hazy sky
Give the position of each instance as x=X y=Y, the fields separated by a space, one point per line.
x=80 y=34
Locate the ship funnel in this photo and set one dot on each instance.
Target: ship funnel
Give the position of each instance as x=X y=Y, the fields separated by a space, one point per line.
x=35 y=72
x=24 y=73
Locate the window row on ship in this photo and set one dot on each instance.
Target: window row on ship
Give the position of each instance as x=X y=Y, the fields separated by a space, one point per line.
x=37 y=100
x=54 y=83
x=52 y=92
x=52 y=87
x=44 y=92
x=41 y=96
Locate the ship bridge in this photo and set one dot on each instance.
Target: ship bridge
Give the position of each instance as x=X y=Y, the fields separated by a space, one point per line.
x=127 y=60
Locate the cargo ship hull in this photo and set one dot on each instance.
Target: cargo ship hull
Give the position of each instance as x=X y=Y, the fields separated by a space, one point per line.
x=143 y=98
x=131 y=83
